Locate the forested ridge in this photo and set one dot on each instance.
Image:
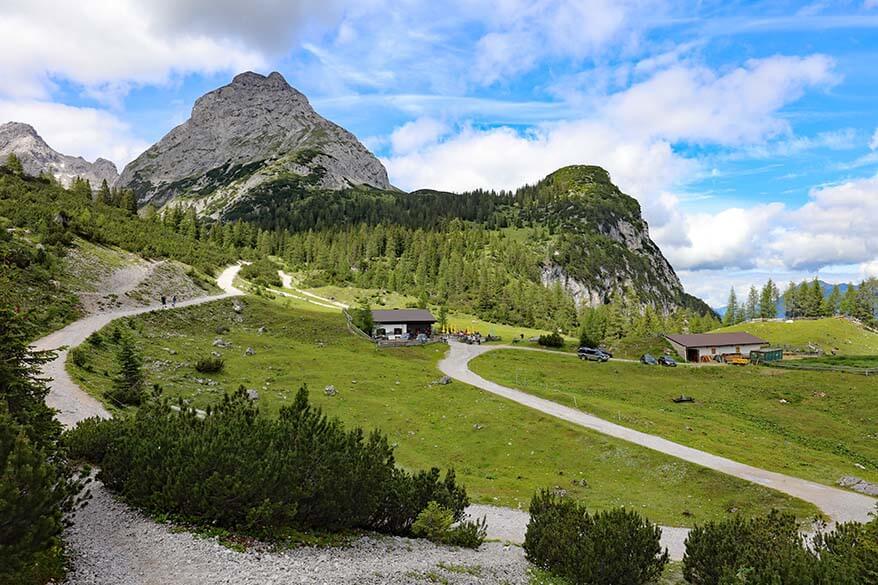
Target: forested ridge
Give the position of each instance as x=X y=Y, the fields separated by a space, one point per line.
x=480 y=252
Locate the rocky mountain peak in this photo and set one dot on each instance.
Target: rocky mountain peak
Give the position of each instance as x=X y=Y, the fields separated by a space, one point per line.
x=38 y=157
x=255 y=129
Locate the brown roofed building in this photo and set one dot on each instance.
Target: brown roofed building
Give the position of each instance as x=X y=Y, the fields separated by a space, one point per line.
x=402 y=323
x=696 y=347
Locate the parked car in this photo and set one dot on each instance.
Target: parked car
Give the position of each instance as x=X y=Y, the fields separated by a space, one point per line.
x=648 y=360
x=667 y=361
x=606 y=351
x=591 y=354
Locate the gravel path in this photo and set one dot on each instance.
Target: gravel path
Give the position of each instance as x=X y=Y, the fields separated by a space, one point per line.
x=839 y=505
x=72 y=403
x=287 y=281
x=113 y=544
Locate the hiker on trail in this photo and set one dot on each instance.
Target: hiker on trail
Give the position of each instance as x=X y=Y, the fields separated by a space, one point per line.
x=164 y=301
x=173 y=301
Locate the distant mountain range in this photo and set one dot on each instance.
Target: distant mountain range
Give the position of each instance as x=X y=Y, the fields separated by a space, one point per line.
x=256 y=150
x=38 y=157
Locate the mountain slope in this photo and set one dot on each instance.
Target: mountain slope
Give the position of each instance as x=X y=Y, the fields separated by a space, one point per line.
x=253 y=130
x=38 y=157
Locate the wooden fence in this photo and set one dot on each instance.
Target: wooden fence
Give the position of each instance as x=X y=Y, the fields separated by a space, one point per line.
x=353 y=328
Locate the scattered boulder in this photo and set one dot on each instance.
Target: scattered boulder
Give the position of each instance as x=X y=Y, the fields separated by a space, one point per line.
x=330 y=390
x=238 y=306
x=858 y=485
x=580 y=482
x=442 y=381
x=252 y=394
x=559 y=491
x=216 y=354
x=478 y=427
x=220 y=342
x=220 y=329
x=250 y=351
x=261 y=330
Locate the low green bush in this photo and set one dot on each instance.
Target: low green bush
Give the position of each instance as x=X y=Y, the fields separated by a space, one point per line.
x=436 y=524
x=468 y=533
x=78 y=357
x=91 y=439
x=769 y=549
x=237 y=469
x=616 y=547
x=551 y=340
x=209 y=365
x=433 y=523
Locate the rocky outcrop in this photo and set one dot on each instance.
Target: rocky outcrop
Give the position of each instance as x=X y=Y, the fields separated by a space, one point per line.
x=38 y=157
x=601 y=244
x=255 y=130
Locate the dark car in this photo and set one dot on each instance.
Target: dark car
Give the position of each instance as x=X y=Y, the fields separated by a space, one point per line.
x=667 y=361
x=591 y=354
x=606 y=351
x=648 y=360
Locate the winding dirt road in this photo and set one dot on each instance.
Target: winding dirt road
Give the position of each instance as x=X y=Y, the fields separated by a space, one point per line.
x=839 y=505
x=72 y=403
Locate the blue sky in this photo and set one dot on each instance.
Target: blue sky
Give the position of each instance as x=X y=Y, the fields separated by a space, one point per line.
x=747 y=130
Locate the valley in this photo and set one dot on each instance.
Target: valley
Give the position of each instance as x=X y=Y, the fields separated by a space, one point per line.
x=200 y=328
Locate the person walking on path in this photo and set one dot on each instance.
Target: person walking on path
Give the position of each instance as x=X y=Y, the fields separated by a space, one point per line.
x=164 y=301
x=174 y=302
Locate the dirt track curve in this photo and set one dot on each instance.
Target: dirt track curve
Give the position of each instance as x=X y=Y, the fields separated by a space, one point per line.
x=838 y=504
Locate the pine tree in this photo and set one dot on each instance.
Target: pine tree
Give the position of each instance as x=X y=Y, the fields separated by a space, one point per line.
x=790 y=300
x=616 y=325
x=35 y=486
x=13 y=164
x=768 y=300
x=732 y=310
x=128 y=202
x=751 y=310
x=815 y=299
x=104 y=195
x=848 y=304
x=593 y=325
x=832 y=302
x=129 y=381
x=442 y=321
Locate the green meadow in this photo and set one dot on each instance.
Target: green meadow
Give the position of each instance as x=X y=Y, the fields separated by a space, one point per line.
x=502 y=452
x=815 y=425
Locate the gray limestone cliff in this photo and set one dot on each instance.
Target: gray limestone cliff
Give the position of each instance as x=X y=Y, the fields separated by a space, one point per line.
x=254 y=130
x=38 y=157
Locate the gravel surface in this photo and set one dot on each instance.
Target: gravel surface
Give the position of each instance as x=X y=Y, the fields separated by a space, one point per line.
x=510 y=525
x=112 y=544
x=839 y=505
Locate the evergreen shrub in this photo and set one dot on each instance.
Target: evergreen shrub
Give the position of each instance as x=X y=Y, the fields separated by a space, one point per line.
x=209 y=365
x=239 y=470
x=616 y=547
x=551 y=340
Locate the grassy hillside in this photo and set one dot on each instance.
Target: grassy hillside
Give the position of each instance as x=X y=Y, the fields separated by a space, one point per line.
x=457 y=320
x=502 y=451
x=815 y=425
x=830 y=334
